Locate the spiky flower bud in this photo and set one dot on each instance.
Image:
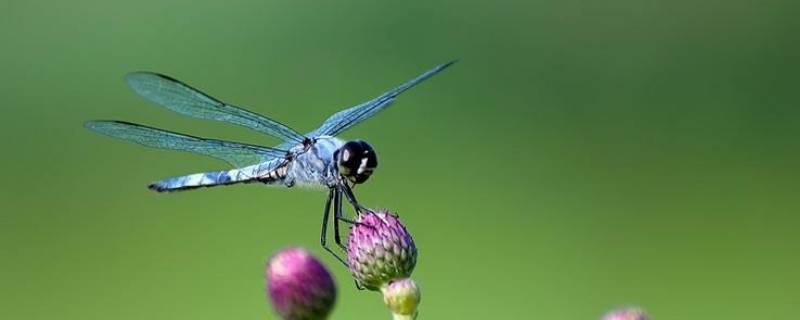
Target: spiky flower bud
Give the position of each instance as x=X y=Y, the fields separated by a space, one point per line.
x=402 y=297
x=299 y=286
x=629 y=313
x=380 y=249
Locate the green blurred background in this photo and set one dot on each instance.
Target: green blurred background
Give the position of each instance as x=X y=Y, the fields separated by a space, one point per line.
x=582 y=155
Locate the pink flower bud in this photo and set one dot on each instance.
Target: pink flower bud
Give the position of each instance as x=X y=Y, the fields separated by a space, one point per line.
x=380 y=249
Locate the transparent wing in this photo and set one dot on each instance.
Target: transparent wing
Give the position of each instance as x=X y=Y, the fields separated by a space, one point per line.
x=342 y=120
x=181 y=98
x=237 y=154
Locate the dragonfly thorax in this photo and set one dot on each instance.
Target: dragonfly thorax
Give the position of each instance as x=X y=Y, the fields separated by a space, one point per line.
x=356 y=160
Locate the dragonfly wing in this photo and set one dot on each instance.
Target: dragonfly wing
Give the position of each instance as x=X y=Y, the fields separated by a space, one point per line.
x=237 y=154
x=181 y=98
x=342 y=120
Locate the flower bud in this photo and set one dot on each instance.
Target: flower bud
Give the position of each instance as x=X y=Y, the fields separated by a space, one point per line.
x=401 y=296
x=299 y=286
x=629 y=313
x=380 y=249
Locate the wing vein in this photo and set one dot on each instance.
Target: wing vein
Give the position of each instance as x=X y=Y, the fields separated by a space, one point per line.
x=347 y=118
x=184 y=99
x=235 y=153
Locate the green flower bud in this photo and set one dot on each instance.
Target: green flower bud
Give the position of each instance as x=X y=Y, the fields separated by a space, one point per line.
x=402 y=297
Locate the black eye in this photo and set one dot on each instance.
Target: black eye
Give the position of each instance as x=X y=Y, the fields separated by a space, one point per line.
x=351 y=154
x=356 y=160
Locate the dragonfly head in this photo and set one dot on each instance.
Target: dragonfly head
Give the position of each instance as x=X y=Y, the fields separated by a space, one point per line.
x=356 y=160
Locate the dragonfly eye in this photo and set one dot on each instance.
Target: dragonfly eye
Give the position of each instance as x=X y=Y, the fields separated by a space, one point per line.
x=356 y=160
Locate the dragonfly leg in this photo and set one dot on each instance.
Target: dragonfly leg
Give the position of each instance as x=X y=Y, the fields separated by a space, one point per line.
x=323 y=239
x=352 y=199
x=338 y=215
x=359 y=286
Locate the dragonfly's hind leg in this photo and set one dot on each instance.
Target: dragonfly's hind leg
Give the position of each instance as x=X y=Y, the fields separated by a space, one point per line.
x=324 y=236
x=337 y=216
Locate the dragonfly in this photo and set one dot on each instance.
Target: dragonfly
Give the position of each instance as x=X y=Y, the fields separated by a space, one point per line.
x=318 y=158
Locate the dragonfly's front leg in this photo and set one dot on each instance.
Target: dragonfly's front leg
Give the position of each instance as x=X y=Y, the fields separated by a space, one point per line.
x=340 y=216
x=348 y=192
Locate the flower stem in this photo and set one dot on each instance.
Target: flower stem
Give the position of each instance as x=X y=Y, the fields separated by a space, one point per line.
x=396 y=316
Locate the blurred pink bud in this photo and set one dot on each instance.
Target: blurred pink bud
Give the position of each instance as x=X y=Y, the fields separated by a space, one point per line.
x=299 y=286
x=629 y=313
